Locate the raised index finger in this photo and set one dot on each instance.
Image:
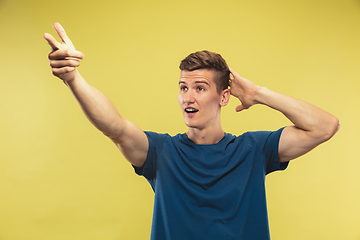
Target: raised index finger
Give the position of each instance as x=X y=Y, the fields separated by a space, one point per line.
x=62 y=34
x=52 y=42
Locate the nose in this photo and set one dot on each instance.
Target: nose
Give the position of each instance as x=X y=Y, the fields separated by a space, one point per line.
x=188 y=97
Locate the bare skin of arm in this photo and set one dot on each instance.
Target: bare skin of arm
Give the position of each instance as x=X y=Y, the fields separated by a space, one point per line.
x=312 y=125
x=64 y=60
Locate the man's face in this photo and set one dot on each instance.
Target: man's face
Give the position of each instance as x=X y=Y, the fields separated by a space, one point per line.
x=199 y=101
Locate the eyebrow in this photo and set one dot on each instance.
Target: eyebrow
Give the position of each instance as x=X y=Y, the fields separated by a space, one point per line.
x=205 y=82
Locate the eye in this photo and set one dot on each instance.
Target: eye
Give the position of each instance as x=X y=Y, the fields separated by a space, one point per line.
x=200 y=89
x=183 y=88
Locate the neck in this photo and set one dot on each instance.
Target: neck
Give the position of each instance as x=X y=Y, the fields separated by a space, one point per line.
x=205 y=136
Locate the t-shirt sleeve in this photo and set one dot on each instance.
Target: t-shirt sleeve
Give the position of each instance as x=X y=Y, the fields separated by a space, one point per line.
x=149 y=168
x=271 y=151
x=149 y=163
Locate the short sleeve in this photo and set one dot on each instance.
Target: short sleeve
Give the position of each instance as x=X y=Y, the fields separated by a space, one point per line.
x=149 y=168
x=271 y=151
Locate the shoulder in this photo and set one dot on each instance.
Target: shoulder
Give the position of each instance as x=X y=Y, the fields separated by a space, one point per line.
x=156 y=135
x=259 y=136
x=158 y=138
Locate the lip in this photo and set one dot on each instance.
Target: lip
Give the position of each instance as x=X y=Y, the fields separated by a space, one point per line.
x=191 y=113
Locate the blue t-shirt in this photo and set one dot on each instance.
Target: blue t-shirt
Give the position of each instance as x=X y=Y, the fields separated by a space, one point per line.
x=214 y=191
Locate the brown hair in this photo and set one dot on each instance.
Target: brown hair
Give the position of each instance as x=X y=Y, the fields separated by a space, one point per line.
x=208 y=60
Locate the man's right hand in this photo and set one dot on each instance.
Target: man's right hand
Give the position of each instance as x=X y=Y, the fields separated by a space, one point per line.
x=64 y=58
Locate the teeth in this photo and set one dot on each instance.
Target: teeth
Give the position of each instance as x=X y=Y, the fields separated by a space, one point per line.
x=190 y=110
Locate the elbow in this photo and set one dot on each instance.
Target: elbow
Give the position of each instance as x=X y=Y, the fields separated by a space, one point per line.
x=331 y=128
x=112 y=131
x=335 y=126
x=112 y=134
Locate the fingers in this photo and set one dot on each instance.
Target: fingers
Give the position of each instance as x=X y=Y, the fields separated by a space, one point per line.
x=233 y=74
x=59 y=72
x=66 y=54
x=64 y=50
x=231 y=77
x=55 y=45
x=231 y=71
x=64 y=63
x=64 y=58
x=62 y=34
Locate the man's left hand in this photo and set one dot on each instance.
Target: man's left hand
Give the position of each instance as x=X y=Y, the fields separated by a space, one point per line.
x=243 y=89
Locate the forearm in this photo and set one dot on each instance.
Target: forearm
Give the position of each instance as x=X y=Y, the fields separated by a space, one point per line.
x=312 y=125
x=96 y=106
x=313 y=120
x=64 y=60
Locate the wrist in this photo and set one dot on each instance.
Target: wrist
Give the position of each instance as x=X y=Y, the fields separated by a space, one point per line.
x=71 y=77
x=260 y=95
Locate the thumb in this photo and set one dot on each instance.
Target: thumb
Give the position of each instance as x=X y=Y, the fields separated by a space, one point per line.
x=239 y=108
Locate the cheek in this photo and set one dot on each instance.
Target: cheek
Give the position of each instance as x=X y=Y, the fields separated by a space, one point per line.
x=213 y=102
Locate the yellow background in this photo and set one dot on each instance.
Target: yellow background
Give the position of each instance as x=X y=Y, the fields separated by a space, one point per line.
x=62 y=179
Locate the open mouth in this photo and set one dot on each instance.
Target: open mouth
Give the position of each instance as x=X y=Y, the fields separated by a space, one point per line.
x=191 y=110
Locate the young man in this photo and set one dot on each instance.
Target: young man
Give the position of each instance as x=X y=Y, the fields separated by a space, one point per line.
x=208 y=184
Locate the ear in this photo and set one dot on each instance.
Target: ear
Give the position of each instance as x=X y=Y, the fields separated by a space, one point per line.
x=225 y=97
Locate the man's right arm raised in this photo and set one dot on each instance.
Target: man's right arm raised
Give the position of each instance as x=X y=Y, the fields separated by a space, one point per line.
x=64 y=60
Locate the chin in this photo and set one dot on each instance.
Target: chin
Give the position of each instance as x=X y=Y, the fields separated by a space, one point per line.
x=190 y=124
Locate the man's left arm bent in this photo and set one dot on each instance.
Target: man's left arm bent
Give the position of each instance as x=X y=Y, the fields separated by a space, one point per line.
x=312 y=125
